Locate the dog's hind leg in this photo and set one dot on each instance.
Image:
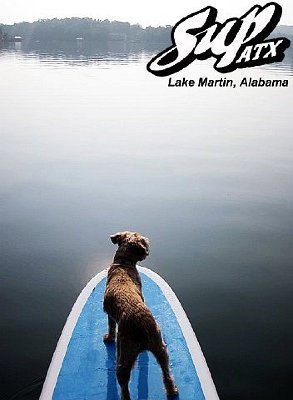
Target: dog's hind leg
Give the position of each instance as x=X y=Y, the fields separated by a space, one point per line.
x=160 y=352
x=126 y=355
x=110 y=336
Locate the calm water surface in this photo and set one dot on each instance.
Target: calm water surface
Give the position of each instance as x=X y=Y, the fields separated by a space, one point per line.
x=92 y=144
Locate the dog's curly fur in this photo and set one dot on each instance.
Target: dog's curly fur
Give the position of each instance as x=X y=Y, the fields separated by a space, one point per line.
x=124 y=303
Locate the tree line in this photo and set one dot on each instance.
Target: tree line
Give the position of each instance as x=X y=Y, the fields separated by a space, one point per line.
x=4 y=37
x=88 y=29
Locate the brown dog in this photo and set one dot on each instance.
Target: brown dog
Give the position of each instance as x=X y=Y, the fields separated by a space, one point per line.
x=124 y=304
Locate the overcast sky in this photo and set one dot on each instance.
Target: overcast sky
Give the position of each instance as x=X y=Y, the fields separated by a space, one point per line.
x=151 y=12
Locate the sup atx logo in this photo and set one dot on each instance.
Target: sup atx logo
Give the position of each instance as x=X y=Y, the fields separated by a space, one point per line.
x=237 y=43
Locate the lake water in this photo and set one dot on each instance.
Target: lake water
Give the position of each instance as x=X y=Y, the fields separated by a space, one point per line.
x=91 y=144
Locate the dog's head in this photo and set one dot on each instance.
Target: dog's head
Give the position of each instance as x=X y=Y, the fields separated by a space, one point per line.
x=131 y=245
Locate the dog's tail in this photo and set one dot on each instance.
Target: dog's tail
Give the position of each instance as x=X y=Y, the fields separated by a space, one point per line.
x=140 y=326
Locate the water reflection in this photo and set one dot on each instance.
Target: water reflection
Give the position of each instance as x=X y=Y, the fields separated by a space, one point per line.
x=81 y=52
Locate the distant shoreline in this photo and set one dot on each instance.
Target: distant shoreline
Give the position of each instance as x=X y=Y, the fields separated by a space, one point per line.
x=89 y=29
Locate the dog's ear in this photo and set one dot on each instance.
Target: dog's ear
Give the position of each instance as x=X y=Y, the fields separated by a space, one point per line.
x=116 y=238
x=141 y=246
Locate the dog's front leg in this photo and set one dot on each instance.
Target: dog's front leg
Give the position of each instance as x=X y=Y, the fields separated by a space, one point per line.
x=110 y=336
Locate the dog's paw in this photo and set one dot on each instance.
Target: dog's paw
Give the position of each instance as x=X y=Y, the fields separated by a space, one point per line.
x=109 y=338
x=172 y=390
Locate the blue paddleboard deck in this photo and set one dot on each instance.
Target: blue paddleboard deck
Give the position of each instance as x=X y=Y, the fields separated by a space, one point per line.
x=83 y=366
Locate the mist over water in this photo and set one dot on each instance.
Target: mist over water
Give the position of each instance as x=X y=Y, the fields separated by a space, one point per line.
x=91 y=144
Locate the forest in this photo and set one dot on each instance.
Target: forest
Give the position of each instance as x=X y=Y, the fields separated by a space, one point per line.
x=86 y=28
x=100 y=31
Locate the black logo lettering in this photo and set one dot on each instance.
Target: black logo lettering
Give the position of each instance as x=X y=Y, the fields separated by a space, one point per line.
x=237 y=43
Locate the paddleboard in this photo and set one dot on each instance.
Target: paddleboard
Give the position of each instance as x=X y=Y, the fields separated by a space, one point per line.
x=83 y=366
